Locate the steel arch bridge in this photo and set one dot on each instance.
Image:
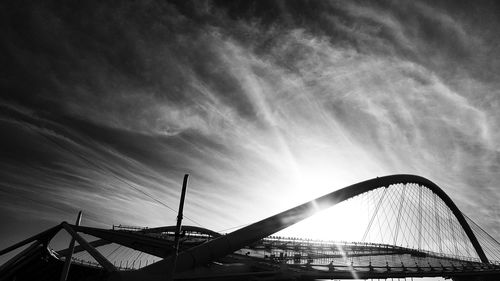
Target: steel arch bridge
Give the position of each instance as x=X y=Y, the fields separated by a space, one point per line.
x=414 y=230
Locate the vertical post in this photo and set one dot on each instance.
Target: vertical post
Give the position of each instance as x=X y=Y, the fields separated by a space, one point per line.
x=179 y=221
x=67 y=263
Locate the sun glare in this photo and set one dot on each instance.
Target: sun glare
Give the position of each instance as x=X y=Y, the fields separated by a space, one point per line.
x=346 y=221
x=315 y=176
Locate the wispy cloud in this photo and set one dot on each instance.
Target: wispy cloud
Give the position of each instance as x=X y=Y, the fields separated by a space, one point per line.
x=106 y=107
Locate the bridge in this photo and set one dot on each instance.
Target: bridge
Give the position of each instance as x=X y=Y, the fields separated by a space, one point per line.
x=413 y=230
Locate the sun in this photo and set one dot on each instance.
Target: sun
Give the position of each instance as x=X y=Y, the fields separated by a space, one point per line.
x=346 y=221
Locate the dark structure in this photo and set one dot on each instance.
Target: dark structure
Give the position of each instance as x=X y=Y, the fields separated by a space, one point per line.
x=440 y=241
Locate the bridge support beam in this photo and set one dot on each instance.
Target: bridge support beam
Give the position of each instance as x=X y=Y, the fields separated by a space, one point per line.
x=26 y=253
x=69 y=255
x=109 y=267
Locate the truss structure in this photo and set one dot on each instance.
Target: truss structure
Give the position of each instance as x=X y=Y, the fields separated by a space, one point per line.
x=413 y=230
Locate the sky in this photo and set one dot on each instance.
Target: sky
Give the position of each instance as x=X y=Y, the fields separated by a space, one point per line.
x=265 y=104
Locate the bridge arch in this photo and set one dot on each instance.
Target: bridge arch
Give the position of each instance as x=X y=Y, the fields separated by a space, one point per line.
x=236 y=240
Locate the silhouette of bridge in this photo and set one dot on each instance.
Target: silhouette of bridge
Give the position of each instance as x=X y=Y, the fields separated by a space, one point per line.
x=414 y=230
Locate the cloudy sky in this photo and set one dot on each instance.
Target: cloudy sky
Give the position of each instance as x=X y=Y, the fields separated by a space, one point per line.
x=105 y=106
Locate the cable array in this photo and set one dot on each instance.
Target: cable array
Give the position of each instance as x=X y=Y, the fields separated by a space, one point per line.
x=490 y=245
x=413 y=216
x=124 y=258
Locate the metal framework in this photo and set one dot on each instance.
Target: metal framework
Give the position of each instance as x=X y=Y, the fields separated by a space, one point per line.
x=251 y=246
x=231 y=242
